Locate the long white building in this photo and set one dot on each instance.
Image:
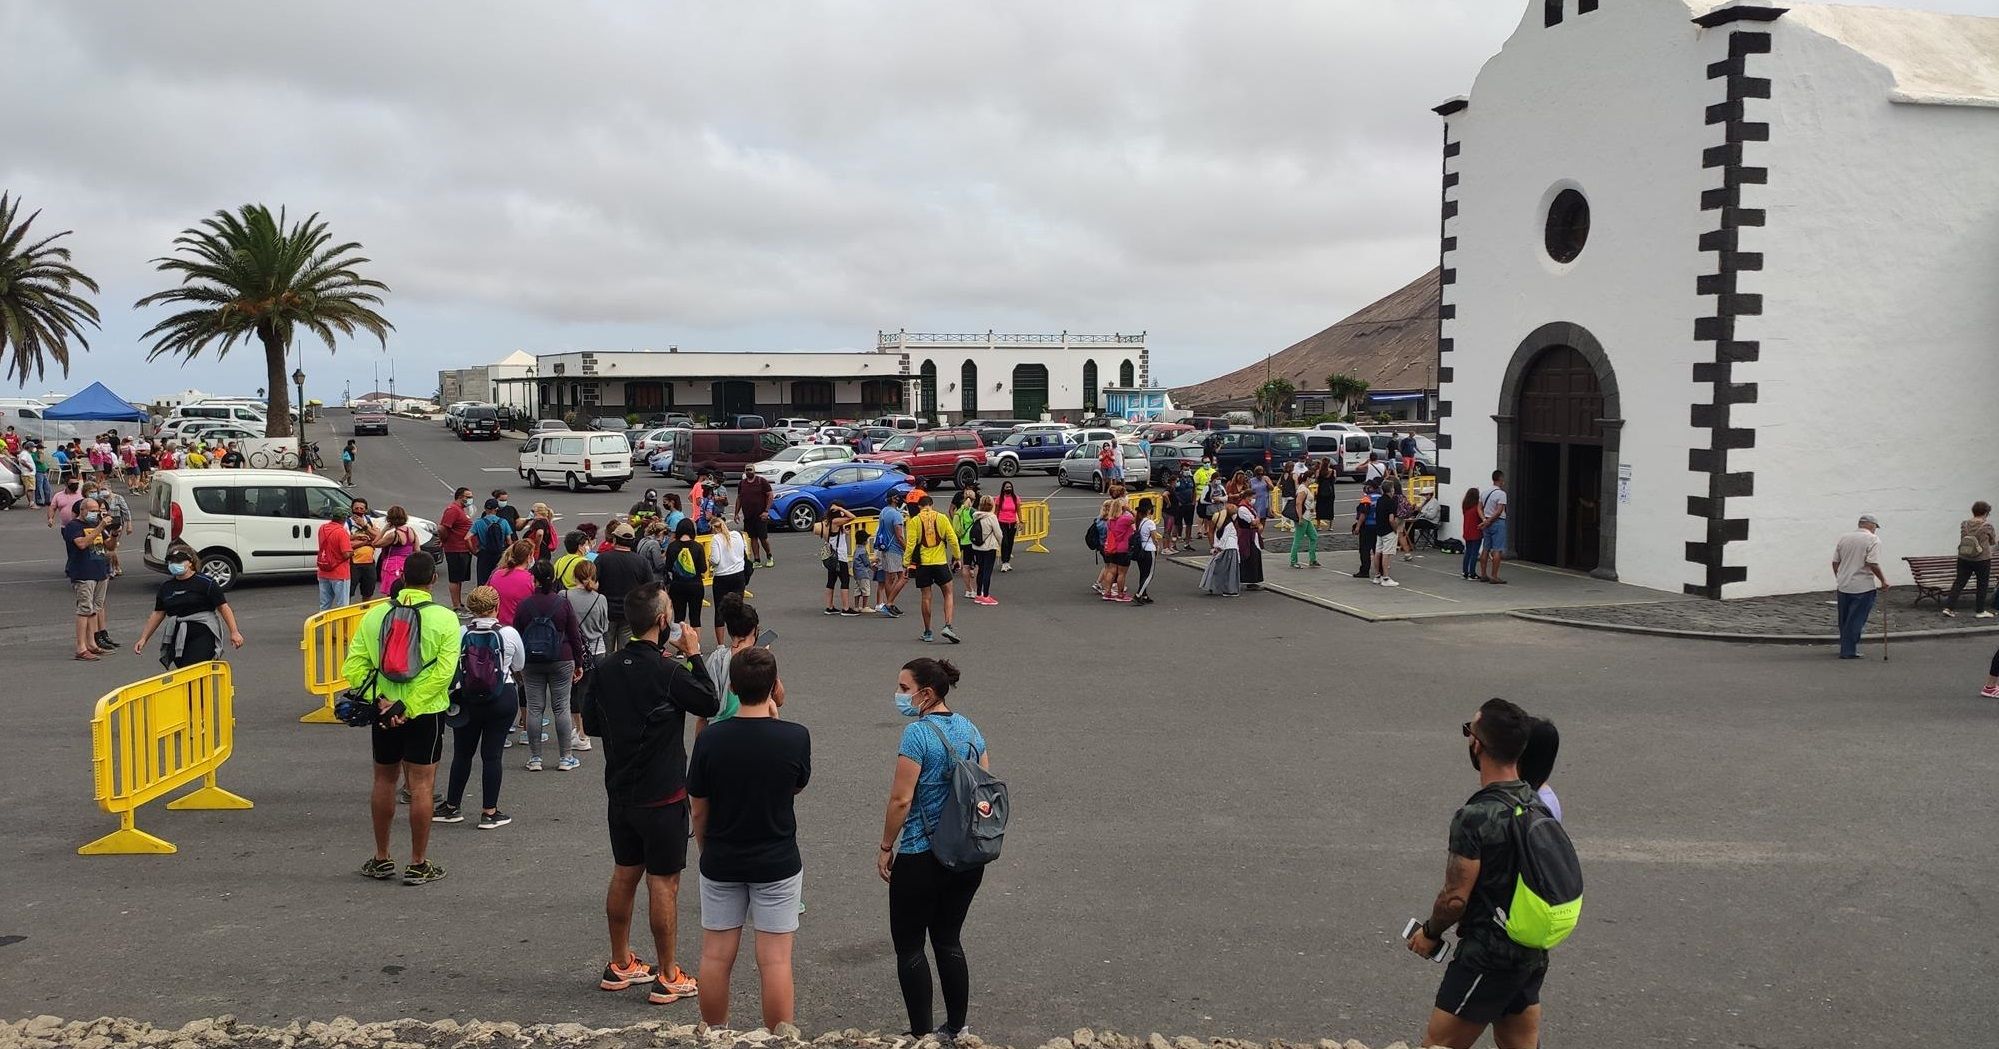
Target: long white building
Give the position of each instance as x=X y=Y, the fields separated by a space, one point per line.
x=1718 y=278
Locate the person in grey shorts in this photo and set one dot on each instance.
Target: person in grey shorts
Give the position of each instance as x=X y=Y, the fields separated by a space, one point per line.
x=741 y=778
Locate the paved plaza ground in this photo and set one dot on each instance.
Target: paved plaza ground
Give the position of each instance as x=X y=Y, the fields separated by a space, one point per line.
x=1223 y=812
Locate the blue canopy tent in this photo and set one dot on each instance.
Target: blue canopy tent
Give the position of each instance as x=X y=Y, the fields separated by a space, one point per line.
x=96 y=403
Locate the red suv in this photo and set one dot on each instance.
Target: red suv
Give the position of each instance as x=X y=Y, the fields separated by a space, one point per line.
x=935 y=456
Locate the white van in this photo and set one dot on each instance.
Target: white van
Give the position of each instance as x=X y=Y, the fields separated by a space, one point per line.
x=242 y=415
x=244 y=523
x=24 y=414
x=574 y=459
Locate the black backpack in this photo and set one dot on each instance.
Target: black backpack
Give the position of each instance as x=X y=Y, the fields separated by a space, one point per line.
x=542 y=640
x=971 y=827
x=1094 y=538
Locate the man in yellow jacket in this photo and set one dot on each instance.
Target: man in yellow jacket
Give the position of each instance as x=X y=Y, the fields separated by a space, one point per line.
x=408 y=735
x=932 y=559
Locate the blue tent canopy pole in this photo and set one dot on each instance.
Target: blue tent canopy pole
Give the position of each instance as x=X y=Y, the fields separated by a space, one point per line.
x=97 y=403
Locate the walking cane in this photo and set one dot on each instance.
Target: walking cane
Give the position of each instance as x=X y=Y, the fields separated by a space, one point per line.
x=1884 y=631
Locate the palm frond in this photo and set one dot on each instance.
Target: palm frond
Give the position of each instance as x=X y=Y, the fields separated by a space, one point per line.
x=41 y=316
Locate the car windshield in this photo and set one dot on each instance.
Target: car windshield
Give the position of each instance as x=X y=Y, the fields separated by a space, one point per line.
x=789 y=455
x=900 y=443
x=1015 y=440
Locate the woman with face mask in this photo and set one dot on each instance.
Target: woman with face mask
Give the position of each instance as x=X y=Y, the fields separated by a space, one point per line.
x=397 y=543
x=1006 y=507
x=363 y=534
x=926 y=900
x=196 y=614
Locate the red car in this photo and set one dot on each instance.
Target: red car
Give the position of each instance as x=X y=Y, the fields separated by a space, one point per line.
x=935 y=456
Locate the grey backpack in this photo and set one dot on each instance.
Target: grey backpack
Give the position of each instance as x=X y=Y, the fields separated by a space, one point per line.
x=972 y=826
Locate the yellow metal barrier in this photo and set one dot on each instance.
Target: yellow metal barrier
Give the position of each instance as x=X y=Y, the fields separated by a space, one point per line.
x=1157 y=499
x=1420 y=488
x=862 y=531
x=1033 y=525
x=156 y=736
x=324 y=643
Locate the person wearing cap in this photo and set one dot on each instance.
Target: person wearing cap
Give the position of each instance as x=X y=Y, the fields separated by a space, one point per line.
x=336 y=557
x=492 y=534
x=620 y=570
x=1856 y=573
x=893 y=575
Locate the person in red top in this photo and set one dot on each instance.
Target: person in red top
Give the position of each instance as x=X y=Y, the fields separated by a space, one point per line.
x=1107 y=462
x=336 y=550
x=753 y=503
x=1117 y=551
x=454 y=530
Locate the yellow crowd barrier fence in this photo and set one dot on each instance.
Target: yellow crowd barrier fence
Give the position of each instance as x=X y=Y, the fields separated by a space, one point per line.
x=325 y=646
x=155 y=736
x=1033 y=525
x=1157 y=499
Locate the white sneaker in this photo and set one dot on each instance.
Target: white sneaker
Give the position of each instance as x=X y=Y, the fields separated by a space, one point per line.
x=969 y=593
x=1983 y=615
x=1389 y=582
x=582 y=743
x=1006 y=568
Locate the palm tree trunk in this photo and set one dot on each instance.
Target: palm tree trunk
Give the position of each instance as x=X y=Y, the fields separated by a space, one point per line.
x=279 y=422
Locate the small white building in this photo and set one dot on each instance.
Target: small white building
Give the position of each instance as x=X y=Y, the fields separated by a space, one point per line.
x=1017 y=376
x=1718 y=278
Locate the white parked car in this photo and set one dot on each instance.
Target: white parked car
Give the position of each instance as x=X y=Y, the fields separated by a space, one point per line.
x=1079 y=467
x=653 y=442
x=780 y=468
x=1341 y=427
x=244 y=523
x=796 y=430
x=575 y=459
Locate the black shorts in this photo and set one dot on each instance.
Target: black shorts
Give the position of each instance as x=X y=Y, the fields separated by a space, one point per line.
x=931 y=575
x=1121 y=560
x=734 y=583
x=1483 y=997
x=458 y=567
x=418 y=741
x=655 y=836
x=757 y=526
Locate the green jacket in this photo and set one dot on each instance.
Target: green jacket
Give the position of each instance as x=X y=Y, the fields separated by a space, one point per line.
x=428 y=694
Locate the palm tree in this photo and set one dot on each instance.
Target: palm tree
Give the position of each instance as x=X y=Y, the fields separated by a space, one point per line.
x=1345 y=389
x=1272 y=396
x=39 y=313
x=250 y=273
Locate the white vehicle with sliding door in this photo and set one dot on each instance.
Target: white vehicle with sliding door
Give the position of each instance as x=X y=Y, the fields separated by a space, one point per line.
x=575 y=459
x=245 y=523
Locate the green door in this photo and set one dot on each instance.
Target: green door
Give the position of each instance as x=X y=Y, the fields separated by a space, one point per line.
x=1030 y=391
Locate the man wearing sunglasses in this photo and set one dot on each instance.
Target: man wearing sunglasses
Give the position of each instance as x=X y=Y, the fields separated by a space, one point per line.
x=1492 y=981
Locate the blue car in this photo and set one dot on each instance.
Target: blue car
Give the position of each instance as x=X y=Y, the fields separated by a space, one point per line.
x=661 y=463
x=860 y=487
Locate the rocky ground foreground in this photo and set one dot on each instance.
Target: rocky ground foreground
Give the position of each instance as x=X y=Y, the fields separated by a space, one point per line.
x=344 y=1033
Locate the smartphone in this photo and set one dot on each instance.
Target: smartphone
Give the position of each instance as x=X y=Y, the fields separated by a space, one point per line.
x=766 y=638
x=1443 y=952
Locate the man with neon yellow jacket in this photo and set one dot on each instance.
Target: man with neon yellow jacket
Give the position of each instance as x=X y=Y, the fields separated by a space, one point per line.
x=408 y=734
x=932 y=559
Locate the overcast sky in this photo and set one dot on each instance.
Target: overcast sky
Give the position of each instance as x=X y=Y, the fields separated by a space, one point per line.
x=1229 y=177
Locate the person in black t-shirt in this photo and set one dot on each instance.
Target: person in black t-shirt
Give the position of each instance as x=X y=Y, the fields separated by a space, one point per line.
x=198 y=612
x=1492 y=981
x=232 y=459
x=742 y=777
x=620 y=572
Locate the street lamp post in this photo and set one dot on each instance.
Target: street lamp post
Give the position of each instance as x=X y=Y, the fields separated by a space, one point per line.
x=298 y=380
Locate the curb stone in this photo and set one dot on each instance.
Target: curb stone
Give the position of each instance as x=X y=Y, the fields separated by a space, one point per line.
x=1753 y=639
x=342 y=1032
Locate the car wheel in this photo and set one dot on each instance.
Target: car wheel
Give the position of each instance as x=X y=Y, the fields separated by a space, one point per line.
x=534 y=479
x=802 y=516
x=572 y=482
x=222 y=567
x=786 y=479
x=1009 y=466
x=1097 y=482
x=1061 y=479
x=966 y=475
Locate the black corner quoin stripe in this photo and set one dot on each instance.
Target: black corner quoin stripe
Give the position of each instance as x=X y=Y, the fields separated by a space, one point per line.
x=1731 y=303
x=1446 y=278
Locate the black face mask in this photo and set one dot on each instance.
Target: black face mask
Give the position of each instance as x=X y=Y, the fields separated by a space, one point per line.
x=1472 y=749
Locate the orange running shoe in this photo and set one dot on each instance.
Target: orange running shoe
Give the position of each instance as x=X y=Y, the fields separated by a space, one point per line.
x=672 y=986
x=618 y=977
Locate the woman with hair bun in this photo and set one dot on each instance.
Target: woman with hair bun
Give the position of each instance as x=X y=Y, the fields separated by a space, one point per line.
x=926 y=900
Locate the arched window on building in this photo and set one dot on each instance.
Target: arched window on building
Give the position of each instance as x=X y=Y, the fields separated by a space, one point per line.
x=1127 y=376
x=968 y=388
x=1089 y=386
x=928 y=397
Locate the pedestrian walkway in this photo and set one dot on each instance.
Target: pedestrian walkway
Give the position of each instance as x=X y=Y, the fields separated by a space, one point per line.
x=1780 y=618
x=1433 y=588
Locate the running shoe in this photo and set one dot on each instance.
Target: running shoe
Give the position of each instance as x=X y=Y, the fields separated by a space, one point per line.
x=831 y=611
x=380 y=870
x=510 y=741
x=582 y=743
x=1989 y=692
x=1124 y=599
x=1385 y=581
x=850 y=611
x=883 y=611
x=1948 y=614
x=926 y=638
x=422 y=873
x=403 y=796
x=1983 y=615
x=494 y=820
x=618 y=977
x=446 y=814
x=1098 y=587
x=951 y=635
x=672 y=986
x=1007 y=567
x=569 y=764
x=895 y=610
x=968 y=593
x=534 y=764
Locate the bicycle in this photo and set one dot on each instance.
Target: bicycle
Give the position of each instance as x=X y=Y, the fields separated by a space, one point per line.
x=283 y=459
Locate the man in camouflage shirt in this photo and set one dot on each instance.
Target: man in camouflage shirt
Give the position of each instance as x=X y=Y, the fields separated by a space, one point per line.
x=1492 y=981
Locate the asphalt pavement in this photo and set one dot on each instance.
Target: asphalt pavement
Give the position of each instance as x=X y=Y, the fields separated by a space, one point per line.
x=1224 y=810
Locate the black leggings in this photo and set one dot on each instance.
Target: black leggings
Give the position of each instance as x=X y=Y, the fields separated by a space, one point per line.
x=485 y=734
x=985 y=560
x=686 y=599
x=1966 y=570
x=925 y=899
x=1006 y=542
x=1143 y=559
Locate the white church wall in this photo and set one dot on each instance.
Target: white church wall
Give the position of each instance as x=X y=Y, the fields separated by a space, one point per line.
x=1875 y=378
x=1540 y=113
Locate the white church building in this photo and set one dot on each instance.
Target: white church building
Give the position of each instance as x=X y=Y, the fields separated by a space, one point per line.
x=1719 y=278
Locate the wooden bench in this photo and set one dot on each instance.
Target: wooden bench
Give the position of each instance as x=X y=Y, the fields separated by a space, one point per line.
x=1934 y=577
